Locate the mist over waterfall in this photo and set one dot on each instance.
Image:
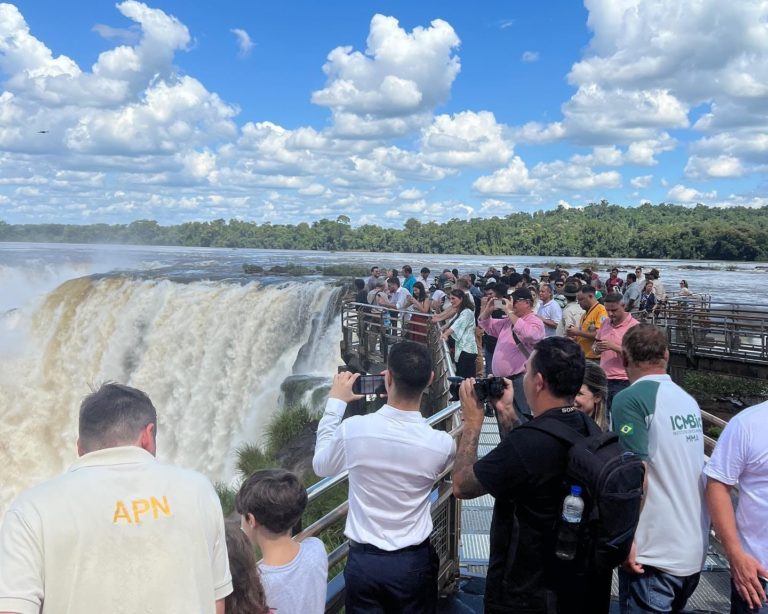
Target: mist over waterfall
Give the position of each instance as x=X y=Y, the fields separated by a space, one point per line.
x=212 y=356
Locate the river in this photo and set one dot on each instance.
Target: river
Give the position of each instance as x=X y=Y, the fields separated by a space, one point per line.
x=216 y=350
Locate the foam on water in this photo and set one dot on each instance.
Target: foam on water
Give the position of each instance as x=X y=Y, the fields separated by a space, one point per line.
x=211 y=355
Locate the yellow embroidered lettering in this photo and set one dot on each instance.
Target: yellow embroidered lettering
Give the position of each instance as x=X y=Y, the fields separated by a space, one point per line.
x=139 y=506
x=121 y=513
x=163 y=507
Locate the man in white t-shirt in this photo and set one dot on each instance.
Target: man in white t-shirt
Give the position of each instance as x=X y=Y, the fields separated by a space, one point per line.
x=549 y=311
x=393 y=457
x=118 y=532
x=741 y=457
x=660 y=422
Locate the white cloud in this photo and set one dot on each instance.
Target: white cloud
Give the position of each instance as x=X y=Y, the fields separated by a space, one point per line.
x=465 y=139
x=642 y=181
x=392 y=87
x=722 y=166
x=513 y=179
x=392 y=214
x=411 y=194
x=126 y=35
x=530 y=56
x=545 y=179
x=244 y=42
x=680 y=193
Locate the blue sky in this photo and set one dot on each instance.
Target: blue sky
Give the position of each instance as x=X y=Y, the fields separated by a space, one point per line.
x=381 y=111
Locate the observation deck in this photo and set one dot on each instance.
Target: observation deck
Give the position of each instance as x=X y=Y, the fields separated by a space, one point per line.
x=712 y=338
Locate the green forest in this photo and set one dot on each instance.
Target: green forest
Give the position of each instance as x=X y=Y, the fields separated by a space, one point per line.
x=599 y=230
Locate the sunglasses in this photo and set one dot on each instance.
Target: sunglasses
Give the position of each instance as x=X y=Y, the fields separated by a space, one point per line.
x=559 y=285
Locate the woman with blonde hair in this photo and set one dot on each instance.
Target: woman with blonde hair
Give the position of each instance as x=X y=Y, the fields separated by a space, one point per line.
x=593 y=393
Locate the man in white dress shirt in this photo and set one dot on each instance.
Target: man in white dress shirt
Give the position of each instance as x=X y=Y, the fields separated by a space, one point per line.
x=393 y=457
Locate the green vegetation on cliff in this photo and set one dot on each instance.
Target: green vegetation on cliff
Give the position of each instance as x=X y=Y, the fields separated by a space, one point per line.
x=599 y=230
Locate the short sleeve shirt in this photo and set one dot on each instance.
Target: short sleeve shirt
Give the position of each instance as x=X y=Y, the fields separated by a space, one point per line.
x=741 y=457
x=592 y=319
x=660 y=422
x=118 y=532
x=298 y=587
x=525 y=474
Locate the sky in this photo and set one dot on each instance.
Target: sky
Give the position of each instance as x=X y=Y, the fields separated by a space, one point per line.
x=293 y=111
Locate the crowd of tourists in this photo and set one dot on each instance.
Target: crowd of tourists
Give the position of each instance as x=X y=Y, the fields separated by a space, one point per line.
x=122 y=532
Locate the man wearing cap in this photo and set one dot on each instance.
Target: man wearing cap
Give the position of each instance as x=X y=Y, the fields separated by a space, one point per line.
x=119 y=531
x=572 y=311
x=516 y=334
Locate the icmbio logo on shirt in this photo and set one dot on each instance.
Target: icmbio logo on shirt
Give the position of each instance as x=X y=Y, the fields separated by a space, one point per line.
x=685 y=422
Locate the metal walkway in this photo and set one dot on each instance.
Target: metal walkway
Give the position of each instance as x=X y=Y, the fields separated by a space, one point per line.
x=711 y=596
x=474 y=549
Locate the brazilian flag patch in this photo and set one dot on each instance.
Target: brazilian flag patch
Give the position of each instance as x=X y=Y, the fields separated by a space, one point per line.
x=627 y=429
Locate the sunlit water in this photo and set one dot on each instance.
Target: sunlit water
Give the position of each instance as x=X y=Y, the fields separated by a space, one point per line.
x=210 y=345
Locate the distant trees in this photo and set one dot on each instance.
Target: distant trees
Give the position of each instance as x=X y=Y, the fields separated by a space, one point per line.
x=599 y=230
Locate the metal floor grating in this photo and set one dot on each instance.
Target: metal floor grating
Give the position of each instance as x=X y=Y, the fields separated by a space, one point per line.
x=474 y=521
x=475 y=548
x=486 y=501
x=476 y=514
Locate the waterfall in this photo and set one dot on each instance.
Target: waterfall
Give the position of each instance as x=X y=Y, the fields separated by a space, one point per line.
x=212 y=356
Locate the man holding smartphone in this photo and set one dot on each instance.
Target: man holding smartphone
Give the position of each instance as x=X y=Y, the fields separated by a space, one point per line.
x=392 y=565
x=516 y=334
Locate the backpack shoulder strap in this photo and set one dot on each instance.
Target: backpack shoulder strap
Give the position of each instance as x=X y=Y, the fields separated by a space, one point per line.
x=561 y=431
x=557 y=430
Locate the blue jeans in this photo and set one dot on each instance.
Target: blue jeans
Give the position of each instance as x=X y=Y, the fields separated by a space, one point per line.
x=399 y=582
x=654 y=591
x=739 y=606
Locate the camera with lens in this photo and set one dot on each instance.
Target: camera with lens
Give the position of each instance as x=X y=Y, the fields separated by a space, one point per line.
x=486 y=389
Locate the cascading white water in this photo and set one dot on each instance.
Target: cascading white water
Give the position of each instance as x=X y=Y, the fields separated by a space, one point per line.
x=211 y=355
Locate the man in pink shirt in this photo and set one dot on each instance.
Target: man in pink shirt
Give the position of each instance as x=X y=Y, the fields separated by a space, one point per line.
x=510 y=354
x=608 y=343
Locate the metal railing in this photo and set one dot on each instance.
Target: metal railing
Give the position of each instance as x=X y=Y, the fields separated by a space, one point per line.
x=370 y=333
x=726 y=332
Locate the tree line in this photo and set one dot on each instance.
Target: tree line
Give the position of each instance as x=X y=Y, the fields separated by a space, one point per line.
x=599 y=230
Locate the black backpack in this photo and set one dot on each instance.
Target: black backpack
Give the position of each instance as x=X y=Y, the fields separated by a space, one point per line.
x=611 y=479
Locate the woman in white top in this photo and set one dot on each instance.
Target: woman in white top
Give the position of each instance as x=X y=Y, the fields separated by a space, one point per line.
x=684 y=290
x=462 y=329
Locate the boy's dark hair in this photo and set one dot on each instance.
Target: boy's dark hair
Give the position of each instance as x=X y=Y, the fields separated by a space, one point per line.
x=425 y=271
x=359 y=284
x=631 y=277
x=114 y=415
x=411 y=367
x=501 y=290
x=407 y=269
x=275 y=497
x=561 y=363
x=394 y=280
x=612 y=297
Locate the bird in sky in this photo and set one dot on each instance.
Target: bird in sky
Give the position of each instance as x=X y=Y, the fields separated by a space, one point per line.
x=42 y=131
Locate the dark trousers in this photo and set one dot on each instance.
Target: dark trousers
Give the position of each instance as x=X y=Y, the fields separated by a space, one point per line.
x=382 y=582
x=615 y=386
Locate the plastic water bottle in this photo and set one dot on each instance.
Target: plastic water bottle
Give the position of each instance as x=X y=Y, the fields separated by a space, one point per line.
x=568 y=536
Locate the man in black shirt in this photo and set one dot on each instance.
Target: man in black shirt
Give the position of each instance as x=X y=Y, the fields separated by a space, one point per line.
x=525 y=473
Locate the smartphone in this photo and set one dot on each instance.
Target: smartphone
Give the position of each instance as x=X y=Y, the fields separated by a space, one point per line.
x=498 y=304
x=369 y=384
